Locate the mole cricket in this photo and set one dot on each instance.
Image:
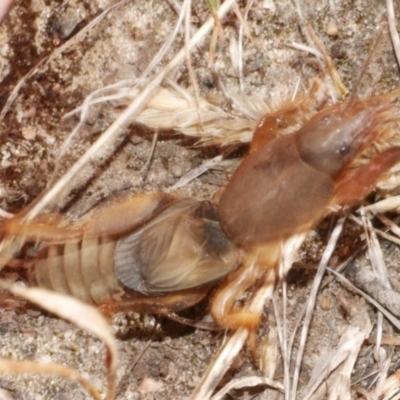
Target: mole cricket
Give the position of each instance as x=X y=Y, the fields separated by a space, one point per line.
x=159 y=253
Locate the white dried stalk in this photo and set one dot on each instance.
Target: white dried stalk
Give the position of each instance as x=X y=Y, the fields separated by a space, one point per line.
x=390 y=204
x=4 y=7
x=306 y=49
x=4 y=214
x=247 y=382
x=218 y=367
x=333 y=370
x=31 y=367
x=235 y=57
x=375 y=252
x=145 y=169
x=297 y=325
x=196 y=172
x=379 y=267
x=268 y=349
x=394 y=321
x=120 y=89
x=187 y=7
x=391 y=387
x=389 y=224
x=381 y=378
x=289 y=252
x=383 y=206
x=281 y=327
x=311 y=301
x=392 y=28
x=242 y=29
x=387 y=236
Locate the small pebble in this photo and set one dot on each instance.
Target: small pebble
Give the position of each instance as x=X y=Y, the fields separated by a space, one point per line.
x=149 y=385
x=331 y=29
x=28 y=133
x=30 y=113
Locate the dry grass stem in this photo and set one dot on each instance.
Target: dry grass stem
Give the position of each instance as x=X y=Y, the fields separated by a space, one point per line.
x=331 y=374
x=392 y=28
x=247 y=382
x=311 y=301
x=394 y=321
x=231 y=348
x=375 y=252
x=31 y=367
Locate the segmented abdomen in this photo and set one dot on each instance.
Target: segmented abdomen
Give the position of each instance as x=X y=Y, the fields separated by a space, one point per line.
x=81 y=268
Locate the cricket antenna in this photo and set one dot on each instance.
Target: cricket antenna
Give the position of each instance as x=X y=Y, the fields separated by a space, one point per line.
x=354 y=94
x=332 y=71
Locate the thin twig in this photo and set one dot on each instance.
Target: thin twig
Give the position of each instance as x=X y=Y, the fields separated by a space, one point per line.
x=395 y=321
x=187 y=6
x=249 y=381
x=243 y=28
x=393 y=31
x=128 y=372
x=145 y=169
x=123 y=87
x=311 y=301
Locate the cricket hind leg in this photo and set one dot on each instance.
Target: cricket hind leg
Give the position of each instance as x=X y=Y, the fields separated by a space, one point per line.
x=122 y=216
x=163 y=304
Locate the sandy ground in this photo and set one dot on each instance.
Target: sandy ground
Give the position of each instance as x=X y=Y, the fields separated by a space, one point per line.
x=120 y=47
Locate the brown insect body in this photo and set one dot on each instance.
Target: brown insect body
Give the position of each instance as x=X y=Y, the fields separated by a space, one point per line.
x=287 y=184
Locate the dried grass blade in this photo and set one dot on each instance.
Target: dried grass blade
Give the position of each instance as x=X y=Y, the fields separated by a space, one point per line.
x=232 y=347
x=31 y=367
x=247 y=382
x=83 y=315
x=395 y=321
x=392 y=28
x=332 y=372
x=312 y=298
